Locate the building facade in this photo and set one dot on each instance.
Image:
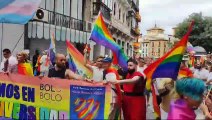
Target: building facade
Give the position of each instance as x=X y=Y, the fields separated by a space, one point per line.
x=156 y=43
x=122 y=18
x=72 y=20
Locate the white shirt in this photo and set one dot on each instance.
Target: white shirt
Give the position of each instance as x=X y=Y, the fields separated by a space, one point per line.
x=97 y=74
x=43 y=66
x=11 y=66
x=209 y=76
x=112 y=76
x=201 y=74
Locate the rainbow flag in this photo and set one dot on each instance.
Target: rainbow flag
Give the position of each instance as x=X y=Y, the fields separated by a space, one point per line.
x=25 y=69
x=52 y=49
x=17 y=11
x=191 y=61
x=71 y=64
x=101 y=35
x=185 y=73
x=166 y=67
x=78 y=61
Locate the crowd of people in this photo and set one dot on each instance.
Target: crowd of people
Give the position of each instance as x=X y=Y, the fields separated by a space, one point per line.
x=177 y=99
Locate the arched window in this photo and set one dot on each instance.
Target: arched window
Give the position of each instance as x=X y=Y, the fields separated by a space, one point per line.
x=119 y=13
x=114 y=9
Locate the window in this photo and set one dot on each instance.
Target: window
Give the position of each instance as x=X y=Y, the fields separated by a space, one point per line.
x=119 y=13
x=114 y=9
x=123 y=17
x=159 y=44
x=152 y=44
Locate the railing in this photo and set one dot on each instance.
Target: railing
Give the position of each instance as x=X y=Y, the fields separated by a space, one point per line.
x=99 y=6
x=62 y=20
x=135 y=31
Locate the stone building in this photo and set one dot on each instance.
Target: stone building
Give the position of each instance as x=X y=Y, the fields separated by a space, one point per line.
x=72 y=20
x=122 y=18
x=156 y=43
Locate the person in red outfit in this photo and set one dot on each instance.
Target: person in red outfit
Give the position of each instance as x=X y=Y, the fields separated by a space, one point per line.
x=134 y=102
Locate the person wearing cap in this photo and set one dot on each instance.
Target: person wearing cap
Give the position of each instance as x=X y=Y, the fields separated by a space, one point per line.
x=134 y=101
x=110 y=73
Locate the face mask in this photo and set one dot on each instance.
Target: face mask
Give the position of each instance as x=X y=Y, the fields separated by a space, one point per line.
x=131 y=71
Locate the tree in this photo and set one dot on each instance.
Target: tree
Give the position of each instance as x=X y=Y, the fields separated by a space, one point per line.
x=201 y=34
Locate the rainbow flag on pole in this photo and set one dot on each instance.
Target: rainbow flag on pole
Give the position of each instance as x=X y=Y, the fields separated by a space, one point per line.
x=101 y=35
x=77 y=61
x=17 y=11
x=166 y=67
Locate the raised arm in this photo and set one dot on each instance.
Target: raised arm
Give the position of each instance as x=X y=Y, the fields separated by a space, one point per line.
x=86 y=61
x=71 y=75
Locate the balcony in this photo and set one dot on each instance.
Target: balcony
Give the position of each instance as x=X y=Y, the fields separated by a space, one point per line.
x=135 y=31
x=99 y=6
x=57 y=19
x=64 y=27
x=134 y=6
x=138 y=17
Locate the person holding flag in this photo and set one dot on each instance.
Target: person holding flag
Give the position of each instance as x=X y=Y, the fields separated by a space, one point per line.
x=110 y=73
x=134 y=101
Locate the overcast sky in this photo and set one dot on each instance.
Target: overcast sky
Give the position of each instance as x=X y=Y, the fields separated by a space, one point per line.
x=168 y=13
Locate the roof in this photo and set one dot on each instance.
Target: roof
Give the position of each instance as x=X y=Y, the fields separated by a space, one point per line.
x=155 y=28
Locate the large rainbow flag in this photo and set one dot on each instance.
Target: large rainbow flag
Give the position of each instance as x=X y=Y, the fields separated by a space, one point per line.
x=77 y=60
x=101 y=35
x=17 y=11
x=166 y=67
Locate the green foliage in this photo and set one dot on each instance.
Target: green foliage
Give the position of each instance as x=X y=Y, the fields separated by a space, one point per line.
x=201 y=34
